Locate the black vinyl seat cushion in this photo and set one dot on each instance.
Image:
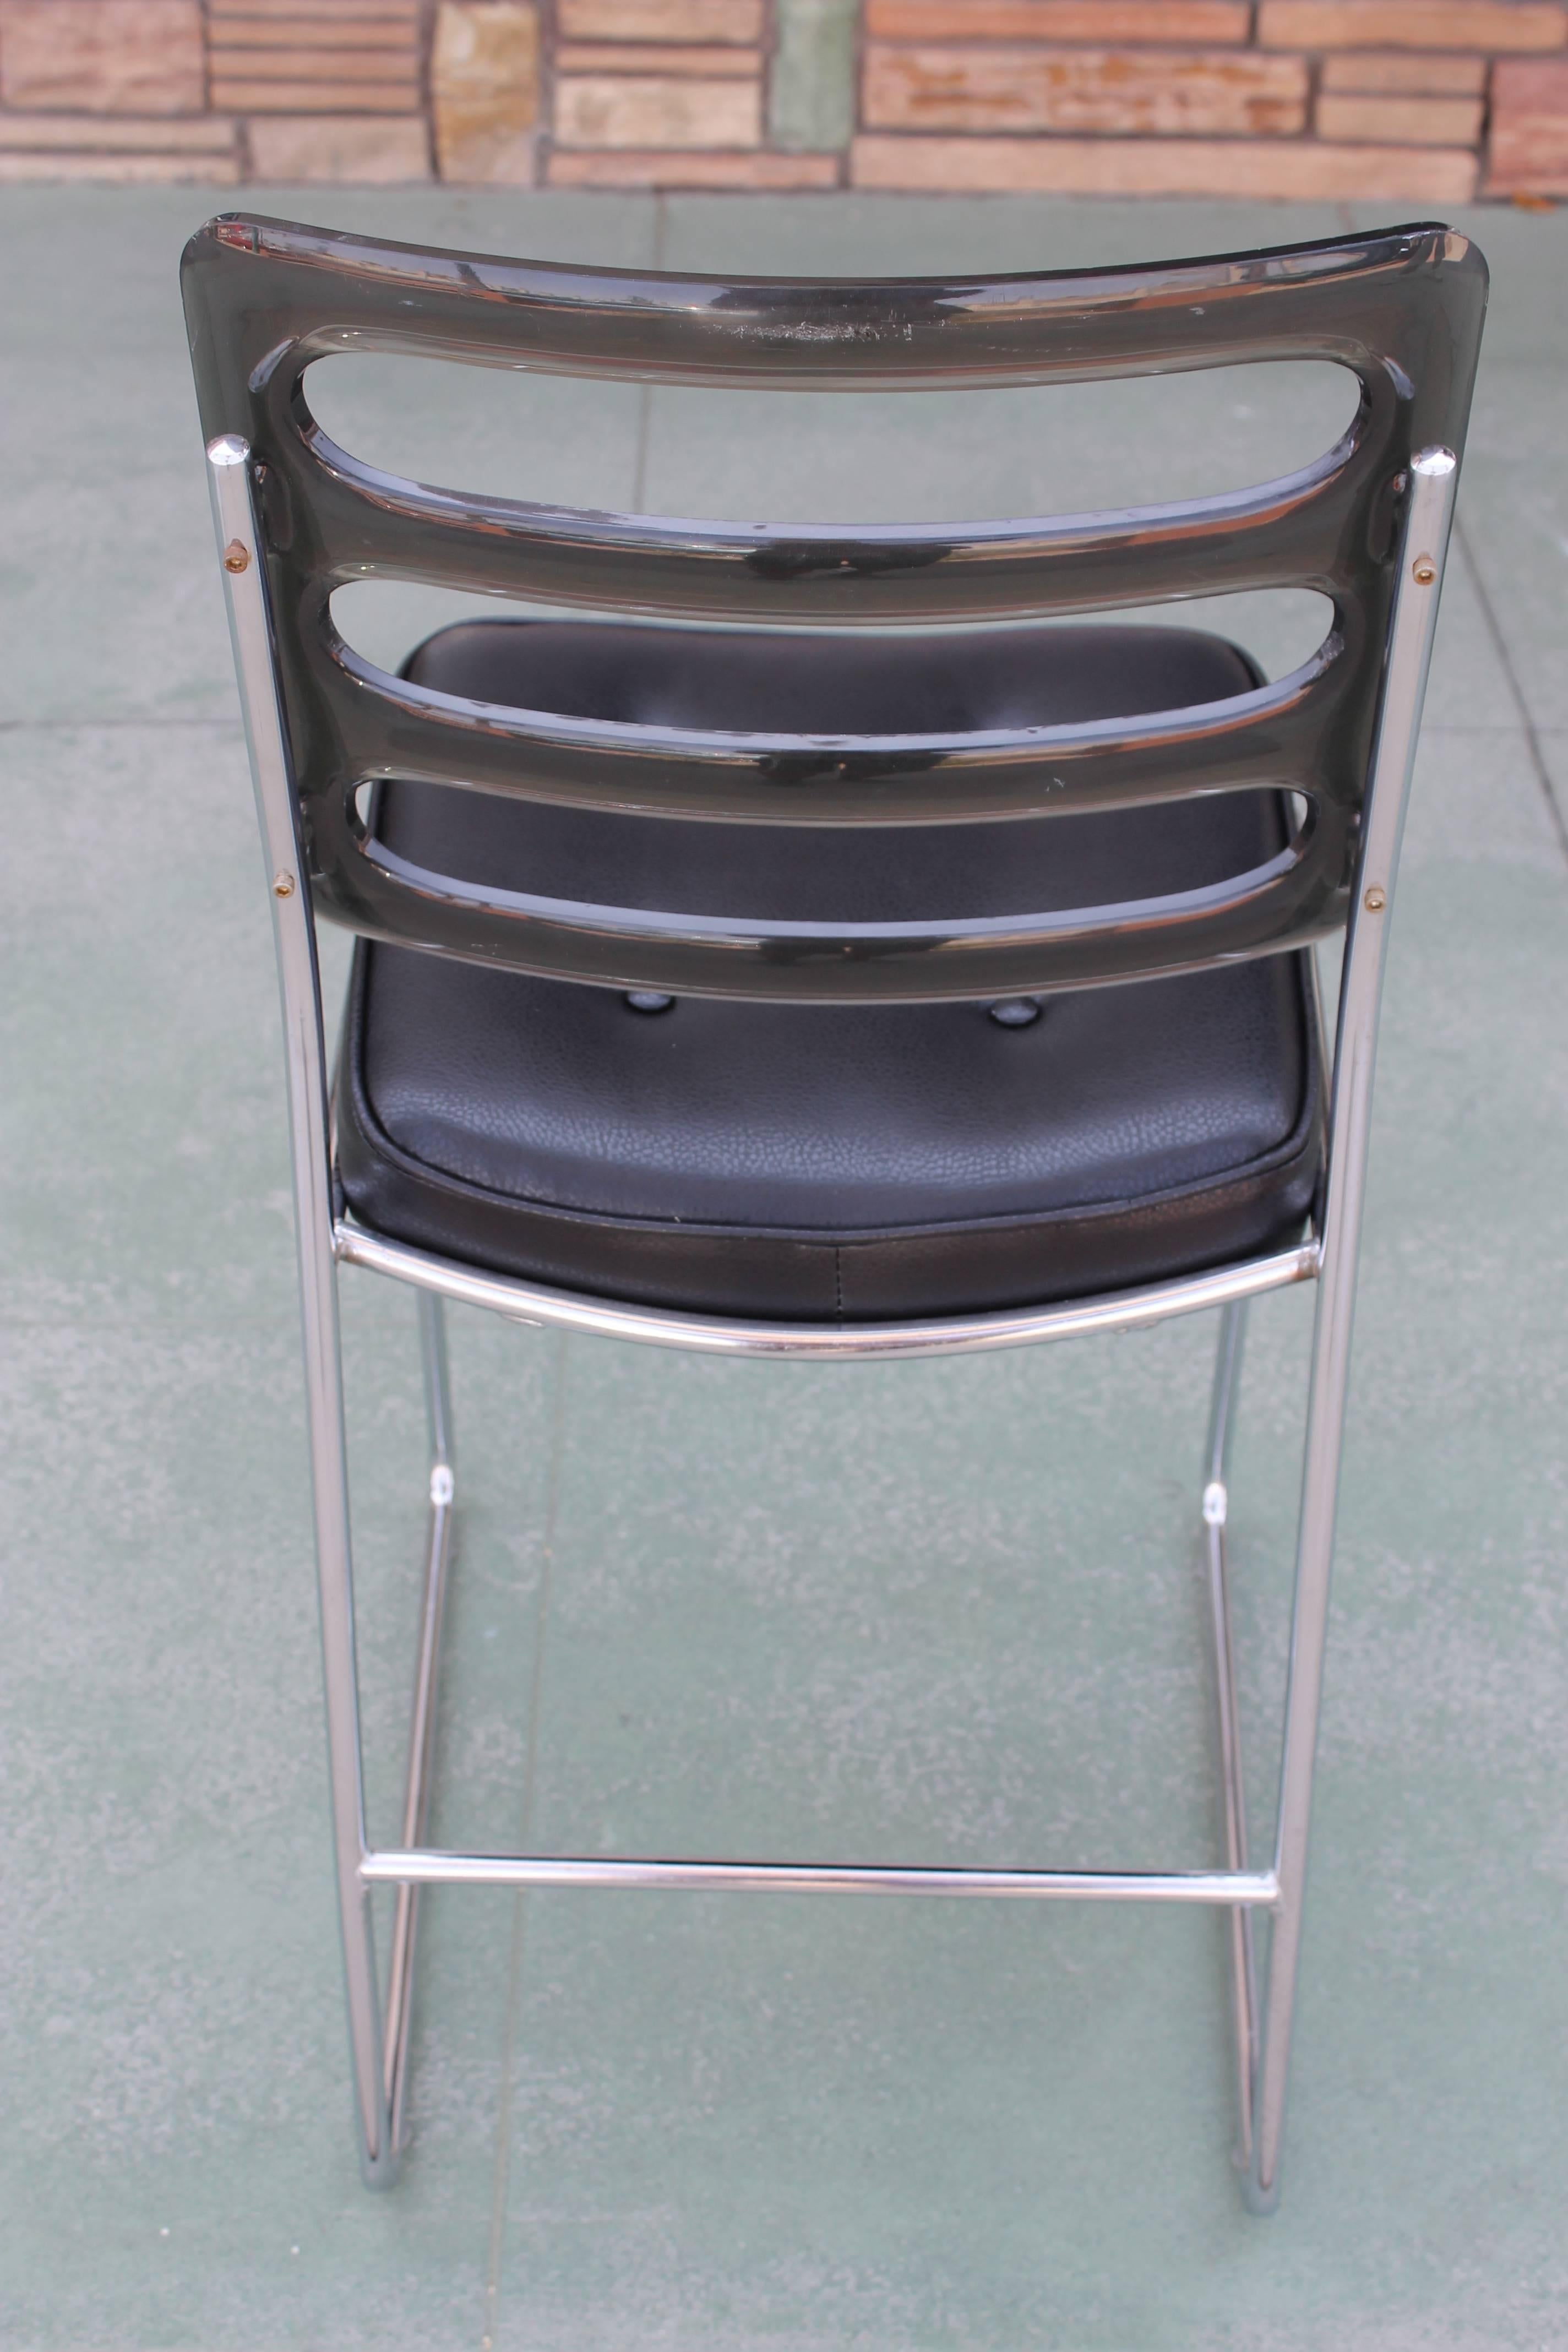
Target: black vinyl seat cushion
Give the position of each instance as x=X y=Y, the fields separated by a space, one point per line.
x=813 y=1162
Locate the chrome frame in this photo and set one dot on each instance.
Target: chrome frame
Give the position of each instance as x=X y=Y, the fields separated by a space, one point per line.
x=1262 y=2022
x=666 y=1326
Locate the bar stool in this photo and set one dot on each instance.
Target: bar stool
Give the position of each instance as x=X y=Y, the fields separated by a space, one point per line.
x=840 y=981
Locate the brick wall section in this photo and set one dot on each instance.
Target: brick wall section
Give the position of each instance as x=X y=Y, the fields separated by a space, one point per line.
x=1427 y=102
x=1385 y=100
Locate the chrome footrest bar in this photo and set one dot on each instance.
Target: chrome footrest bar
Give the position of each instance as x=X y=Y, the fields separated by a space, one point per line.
x=661 y=1327
x=424 y=1868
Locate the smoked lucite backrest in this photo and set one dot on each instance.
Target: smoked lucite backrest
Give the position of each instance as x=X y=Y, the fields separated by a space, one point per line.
x=1402 y=309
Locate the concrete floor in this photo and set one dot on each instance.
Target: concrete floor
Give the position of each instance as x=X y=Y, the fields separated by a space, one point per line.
x=919 y=1611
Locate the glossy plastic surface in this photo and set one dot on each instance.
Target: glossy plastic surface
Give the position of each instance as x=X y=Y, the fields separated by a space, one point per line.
x=1402 y=309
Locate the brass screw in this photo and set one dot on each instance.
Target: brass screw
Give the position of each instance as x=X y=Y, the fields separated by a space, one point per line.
x=283 y=886
x=237 y=556
x=1376 y=900
x=1424 y=572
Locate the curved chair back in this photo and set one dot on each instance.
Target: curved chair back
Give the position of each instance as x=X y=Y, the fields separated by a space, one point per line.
x=1402 y=309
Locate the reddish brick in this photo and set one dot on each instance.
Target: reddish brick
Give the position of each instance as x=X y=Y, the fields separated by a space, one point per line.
x=381 y=31
x=1431 y=77
x=346 y=147
x=405 y=13
x=657 y=111
x=45 y=164
x=354 y=94
x=1399 y=121
x=329 y=61
x=1149 y=90
x=309 y=65
x=1162 y=21
x=651 y=58
x=117 y=134
x=1530 y=130
x=1411 y=25
x=659 y=20
x=634 y=168
x=1303 y=168
x=102 y=56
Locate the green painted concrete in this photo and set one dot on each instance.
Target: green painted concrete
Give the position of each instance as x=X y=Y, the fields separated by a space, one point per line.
x=811 y=91
x=919 y=1611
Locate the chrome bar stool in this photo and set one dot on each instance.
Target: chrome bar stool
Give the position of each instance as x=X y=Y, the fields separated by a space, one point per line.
x=841 y=1123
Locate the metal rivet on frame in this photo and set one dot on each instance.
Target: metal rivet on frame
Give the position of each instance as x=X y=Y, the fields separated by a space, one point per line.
x=1376 y=900
x=237 y=556
x=283 y=886
x=1424 y=572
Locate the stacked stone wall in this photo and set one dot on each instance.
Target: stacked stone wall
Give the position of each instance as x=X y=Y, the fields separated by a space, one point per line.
x=1426 y=103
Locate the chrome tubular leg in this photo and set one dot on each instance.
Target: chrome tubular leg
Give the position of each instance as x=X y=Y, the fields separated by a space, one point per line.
x=378 y=2155
x=1314 y=1560
x=1429 y=506
x=299 y=982
x=422 y=1714
x=1239 y=1922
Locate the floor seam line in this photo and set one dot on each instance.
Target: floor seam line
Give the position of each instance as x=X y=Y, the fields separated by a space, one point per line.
x=149 y=720
x=1527 y=716
x=501 y=2176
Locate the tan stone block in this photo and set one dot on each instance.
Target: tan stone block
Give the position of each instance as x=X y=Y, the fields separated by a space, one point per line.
x=1148 y=91
x=656 y=57
x=659 y=20
x=484 y=87
x=1402 y=122
x=103 y=56
x=474 y=146
x=1159 y=22
x=364 y=147
x=608 y=167
x=1528 y=153
x=615 y=111
x=119 y=134
x=1489 y=24
x=1434 y=76
x=487 y=47
x=41 y=163
x=1300 y=168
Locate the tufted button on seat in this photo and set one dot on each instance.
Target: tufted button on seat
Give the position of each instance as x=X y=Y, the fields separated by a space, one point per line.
x=805 y=1161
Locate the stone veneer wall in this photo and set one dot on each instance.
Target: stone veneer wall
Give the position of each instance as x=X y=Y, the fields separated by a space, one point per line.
x=1422 y=101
